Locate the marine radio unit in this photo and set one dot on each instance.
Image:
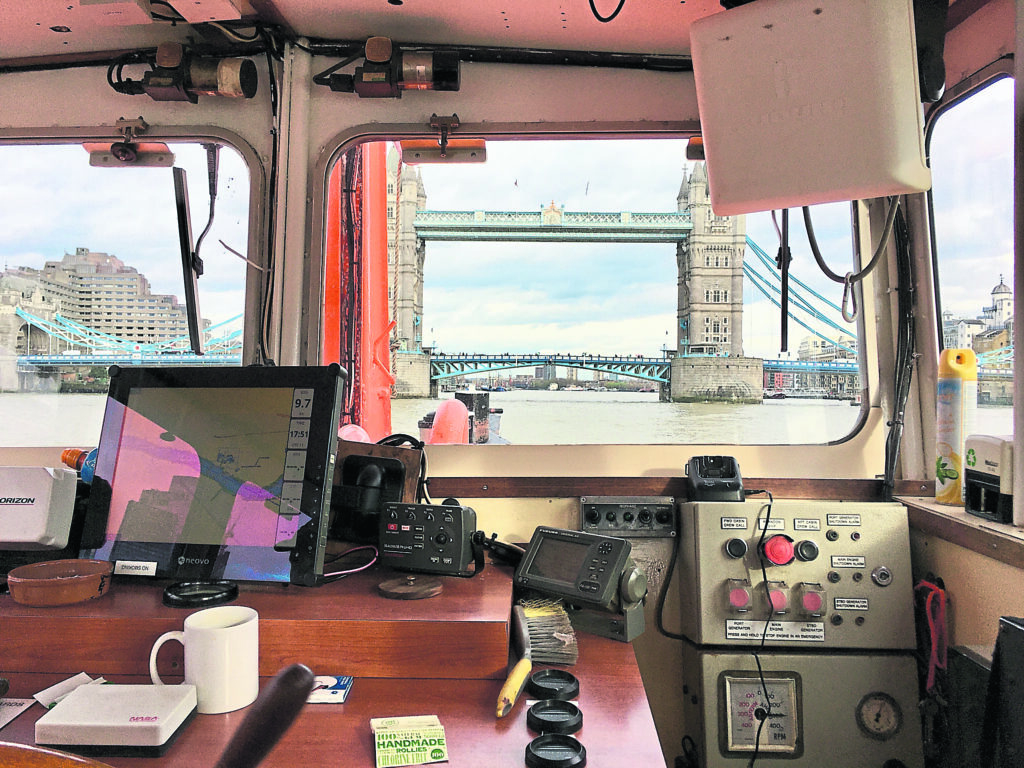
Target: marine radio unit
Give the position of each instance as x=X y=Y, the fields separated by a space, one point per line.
x=428 y=538
x=595 y=575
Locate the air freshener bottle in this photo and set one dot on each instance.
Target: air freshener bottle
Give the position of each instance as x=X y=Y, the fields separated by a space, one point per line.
x=956 y=402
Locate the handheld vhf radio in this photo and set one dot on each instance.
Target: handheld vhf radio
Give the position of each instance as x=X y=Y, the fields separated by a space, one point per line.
x=429 y=538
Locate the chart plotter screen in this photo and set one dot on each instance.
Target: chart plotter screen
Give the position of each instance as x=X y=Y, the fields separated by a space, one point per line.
x=217 y=473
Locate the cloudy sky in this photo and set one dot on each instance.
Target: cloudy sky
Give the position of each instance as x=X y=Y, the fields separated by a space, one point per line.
x=519 y=297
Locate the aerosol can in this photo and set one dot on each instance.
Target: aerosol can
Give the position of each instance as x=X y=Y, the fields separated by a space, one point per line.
x=956 y=402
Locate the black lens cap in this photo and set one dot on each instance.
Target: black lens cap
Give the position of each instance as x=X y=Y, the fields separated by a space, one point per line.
x=199 y=594
x=553 y=684
x=555 y=750
x=554 y=716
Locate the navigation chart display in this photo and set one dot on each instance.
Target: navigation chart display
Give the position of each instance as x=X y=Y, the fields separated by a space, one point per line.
x=217 y=473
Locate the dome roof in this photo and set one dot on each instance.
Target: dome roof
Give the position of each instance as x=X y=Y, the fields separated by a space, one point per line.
x=1001 y=288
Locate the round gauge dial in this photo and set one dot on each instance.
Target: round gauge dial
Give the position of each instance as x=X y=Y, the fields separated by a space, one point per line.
x=879 y=716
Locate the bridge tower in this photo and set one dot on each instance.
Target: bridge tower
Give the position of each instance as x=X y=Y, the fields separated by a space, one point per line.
x=710 y=264
x=709 y=362
x=406 y=195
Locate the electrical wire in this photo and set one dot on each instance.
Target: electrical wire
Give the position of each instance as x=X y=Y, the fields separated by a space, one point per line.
x=660 y=604
x=269 y=274
x=606 y=19
x=851 y=278
x=764 y=633
x=336 y=575
x=212 y=166
x=906 y=354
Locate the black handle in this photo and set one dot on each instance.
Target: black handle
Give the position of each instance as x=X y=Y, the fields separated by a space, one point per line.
x=268 y=718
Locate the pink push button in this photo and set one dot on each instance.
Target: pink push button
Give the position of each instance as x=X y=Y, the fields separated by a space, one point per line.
x=811 y=603
x=778 y=550
x=779 y=600
x=739 y=598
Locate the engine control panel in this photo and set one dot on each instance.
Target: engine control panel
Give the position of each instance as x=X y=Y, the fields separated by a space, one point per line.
x=822 y=574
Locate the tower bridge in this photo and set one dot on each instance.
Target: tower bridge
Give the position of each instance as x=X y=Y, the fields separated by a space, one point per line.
x=709 y=253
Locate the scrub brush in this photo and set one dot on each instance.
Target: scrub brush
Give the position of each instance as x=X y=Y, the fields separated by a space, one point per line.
x=542 y=631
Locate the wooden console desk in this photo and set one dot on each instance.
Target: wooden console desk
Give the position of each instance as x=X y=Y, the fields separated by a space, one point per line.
x=436 y=656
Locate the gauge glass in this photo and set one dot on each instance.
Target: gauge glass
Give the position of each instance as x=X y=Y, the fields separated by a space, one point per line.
x=751 y=724
x=879 y=716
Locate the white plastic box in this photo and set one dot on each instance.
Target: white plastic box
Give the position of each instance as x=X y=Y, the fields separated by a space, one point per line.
x=36 y=506
x=804 y=102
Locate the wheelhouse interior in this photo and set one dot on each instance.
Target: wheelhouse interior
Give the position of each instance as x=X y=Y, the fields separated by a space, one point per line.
x=304 y=101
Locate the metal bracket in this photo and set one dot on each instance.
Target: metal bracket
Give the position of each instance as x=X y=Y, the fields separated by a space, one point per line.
x=130 y=128
x=444 y=125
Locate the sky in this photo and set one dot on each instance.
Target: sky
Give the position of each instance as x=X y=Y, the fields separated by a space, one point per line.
x=128 y=212
x=584 y=297
x=520 y=297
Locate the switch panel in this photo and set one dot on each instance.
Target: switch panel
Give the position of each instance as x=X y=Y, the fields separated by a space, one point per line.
x=838 y=574
x=629 y=516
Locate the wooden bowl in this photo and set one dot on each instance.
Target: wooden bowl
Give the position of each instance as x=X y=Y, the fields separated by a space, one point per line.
x=59 y=582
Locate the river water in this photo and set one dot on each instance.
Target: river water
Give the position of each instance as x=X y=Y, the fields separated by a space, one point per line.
x=531 y=416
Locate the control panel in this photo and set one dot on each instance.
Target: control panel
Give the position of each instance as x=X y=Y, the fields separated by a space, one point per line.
x=823 y=574
x=629 y=516
x=857 y=709
x=432 y=538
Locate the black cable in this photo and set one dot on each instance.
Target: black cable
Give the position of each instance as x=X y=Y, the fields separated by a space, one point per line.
x=857 y=276
x=782 y=262
x=606 y=19
x=268 y=275
x=764 y=633
x=905 y=352
x=212 y=165
x=324 y=78
x=660 y=605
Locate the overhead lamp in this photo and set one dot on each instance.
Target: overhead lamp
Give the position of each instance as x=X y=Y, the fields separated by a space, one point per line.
x=177 y=75
x=388 y=71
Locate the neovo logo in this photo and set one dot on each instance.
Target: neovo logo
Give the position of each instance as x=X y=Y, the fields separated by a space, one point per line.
x=193 y=561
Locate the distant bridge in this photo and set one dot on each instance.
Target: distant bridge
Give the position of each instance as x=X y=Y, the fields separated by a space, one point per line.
x=655 y=369
x=552 y=224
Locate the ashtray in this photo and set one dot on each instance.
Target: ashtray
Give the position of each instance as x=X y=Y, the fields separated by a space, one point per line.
x=59 y=582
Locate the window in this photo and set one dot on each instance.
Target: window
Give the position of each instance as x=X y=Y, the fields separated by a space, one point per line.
x=577 y=300
x=62 y=220
x=971 y=151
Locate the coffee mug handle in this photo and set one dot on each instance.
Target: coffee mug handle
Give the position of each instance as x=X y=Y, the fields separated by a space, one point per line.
x=177 y=635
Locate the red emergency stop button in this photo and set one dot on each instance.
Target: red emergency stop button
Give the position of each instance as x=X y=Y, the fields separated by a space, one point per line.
x=778 y=550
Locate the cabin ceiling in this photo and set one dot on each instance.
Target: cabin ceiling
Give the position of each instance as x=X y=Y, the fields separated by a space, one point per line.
x=31 y=29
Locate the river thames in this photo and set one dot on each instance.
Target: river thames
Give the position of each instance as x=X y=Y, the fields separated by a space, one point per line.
x=539 y=417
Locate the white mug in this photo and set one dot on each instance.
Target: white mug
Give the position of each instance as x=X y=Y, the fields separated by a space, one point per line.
x=221 y=657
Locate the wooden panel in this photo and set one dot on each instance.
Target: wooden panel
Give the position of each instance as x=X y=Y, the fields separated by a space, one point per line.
x=618 y=729
x=343 y=628
x=999 y=541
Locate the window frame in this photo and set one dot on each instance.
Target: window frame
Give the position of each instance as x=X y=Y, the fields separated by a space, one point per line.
x=356 y=135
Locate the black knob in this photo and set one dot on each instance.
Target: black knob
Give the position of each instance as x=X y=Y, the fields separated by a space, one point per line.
x=663 y=516
x=593 y=515
x=442 y=538
x=736 y=548
x=807 y=550
x=645 y=516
